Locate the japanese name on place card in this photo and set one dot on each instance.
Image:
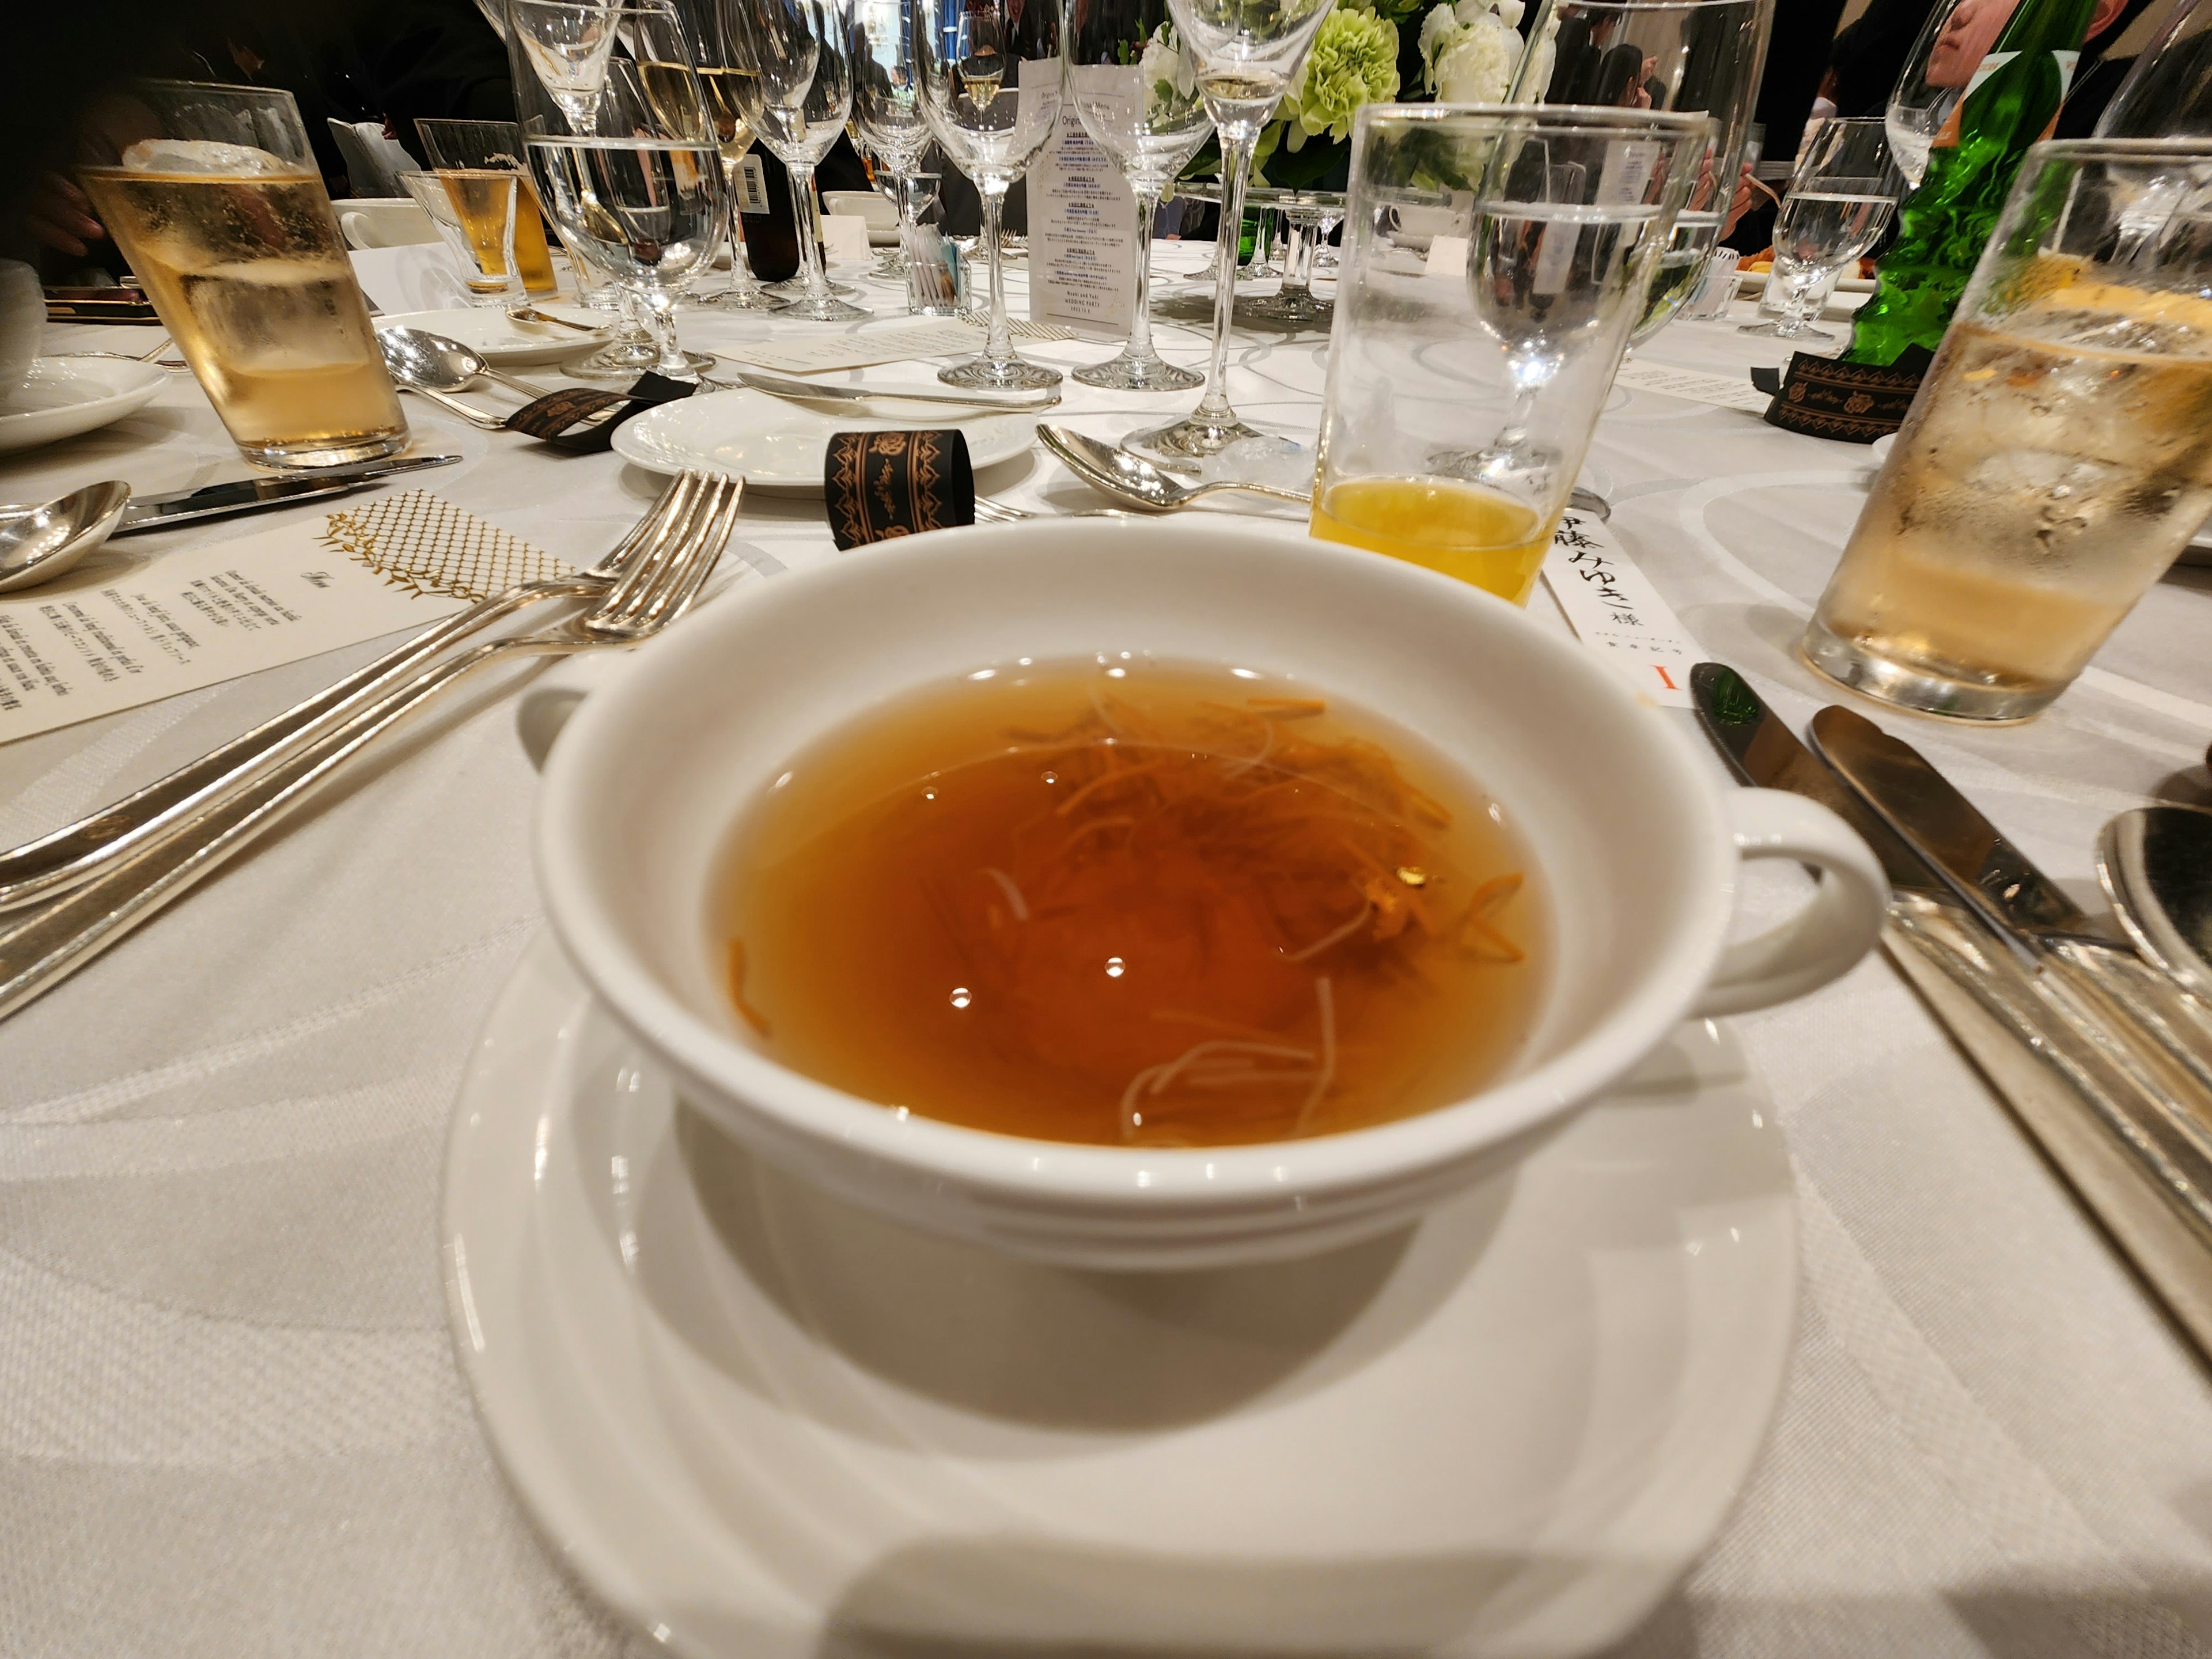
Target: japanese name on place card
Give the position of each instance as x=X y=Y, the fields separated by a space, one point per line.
x=114 y=636
x=1083 y=216
x=1616 y=612
x=1721 y=390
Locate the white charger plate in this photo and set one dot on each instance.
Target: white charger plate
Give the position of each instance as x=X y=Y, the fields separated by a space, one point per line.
x=67 y=396
x=761 y=1423
x=488 y=329
x=779 y=448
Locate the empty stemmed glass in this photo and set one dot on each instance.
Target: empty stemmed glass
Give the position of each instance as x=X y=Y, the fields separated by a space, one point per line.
x=796 y=89
x=1127 y=75
x=634 y=176
x=1839 y=203
x=566 y=45
x=1248 y=54
x=891 y=132
x=990 y=91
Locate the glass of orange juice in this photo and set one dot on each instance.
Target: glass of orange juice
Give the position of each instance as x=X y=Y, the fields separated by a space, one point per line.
x=1495 y=257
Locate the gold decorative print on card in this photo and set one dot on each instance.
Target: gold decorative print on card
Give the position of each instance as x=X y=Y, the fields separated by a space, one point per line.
x=885 y=484
x=423 y=544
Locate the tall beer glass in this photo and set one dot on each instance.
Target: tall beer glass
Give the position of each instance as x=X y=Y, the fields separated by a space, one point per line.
x=2056 y=458
x=212 y=194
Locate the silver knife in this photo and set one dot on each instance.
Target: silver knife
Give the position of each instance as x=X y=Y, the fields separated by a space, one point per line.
x=817 y=392
x=2149 y=1182
x=279 y=489
x=2145 y=1009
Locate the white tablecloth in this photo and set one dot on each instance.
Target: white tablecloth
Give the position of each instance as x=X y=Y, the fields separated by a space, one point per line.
x=230 y=1422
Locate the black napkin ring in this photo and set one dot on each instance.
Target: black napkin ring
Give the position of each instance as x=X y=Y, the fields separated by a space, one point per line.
x=1855 y=403
x=574 y=420
x=881 y=484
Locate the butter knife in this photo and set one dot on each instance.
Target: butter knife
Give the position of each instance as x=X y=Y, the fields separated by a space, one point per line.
x=250 y=494
x=2148 y=1184
x=2142 y=1016
x=775 y=385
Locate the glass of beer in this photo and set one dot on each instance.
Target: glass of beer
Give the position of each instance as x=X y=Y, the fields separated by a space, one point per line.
x=2056 y=458
x=212 y=194
x=1473 y=348
x=475 y=146
x=474 y=210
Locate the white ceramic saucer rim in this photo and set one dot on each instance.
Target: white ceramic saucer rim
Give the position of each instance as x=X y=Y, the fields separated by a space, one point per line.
x=118 y=389
x=641 y=441
x=536 y=342
x=519 y=1081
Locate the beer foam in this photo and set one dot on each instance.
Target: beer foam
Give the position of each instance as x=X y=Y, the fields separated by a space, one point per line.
x=200 y=155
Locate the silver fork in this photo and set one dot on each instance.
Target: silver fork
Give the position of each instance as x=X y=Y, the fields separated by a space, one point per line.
x=77 y=852
x=49 y=944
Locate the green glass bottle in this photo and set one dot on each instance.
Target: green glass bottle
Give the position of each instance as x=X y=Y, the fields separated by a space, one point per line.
x=1942 y=226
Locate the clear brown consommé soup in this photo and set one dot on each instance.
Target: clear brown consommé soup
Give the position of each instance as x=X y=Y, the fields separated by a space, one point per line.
x=1132 y=902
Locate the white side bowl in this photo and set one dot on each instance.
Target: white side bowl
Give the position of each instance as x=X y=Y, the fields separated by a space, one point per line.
x=1637 y=847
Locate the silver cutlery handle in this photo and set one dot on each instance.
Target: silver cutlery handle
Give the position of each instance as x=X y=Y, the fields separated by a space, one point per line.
x=475 y=417
x=79 y=851
x=2139 y=1001
x=529 y=389
x=49 y=946
x=1303 y=497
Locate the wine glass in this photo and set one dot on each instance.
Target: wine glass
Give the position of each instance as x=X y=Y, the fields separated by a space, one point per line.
x=710 y=30
x=566 y=45
x=1128 y=76
x=2168 y=93
x=1701 y=56
x=1839 y=202
x=1934 y=80
x=889 y=130
x=1248 y=53
x=634 y=177
x=796 y=90
x=990 y=91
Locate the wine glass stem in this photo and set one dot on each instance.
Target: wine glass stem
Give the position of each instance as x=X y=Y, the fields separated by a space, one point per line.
x=1236 y=169
x=999 y=345
x=809 y=218
x=1799 y=316
x=1141 y=321
x=658 y=308
x=742 y=280
x=1297 y=253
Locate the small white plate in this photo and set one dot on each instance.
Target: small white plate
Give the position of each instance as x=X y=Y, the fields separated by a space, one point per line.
x=1753 y=282
x=66 y=396
x=762 y=1423
x=501 y=339
x=779 y=448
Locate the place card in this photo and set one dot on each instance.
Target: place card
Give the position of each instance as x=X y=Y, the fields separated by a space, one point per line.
x=1083 y=216
x=845 y=239
x=103 y=640
x=1616 y=612
x=810 y=354
x=1721 y=390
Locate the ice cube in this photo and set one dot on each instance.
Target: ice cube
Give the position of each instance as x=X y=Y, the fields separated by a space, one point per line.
x=199 y=155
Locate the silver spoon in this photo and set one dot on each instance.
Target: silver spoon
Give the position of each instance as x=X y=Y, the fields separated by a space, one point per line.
x=410 y=372
x=1135 y=481
x=2155 y=865
x=39 y=543
x=448 y=364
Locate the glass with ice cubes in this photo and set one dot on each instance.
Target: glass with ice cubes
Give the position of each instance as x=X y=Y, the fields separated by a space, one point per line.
x=2058 y=454
x=213 y=195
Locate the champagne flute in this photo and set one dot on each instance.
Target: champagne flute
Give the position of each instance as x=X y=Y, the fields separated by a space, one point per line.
x=1135 y=86
x=796 y=93
x=635 y=176
x=709 y=30
x=888 y=123
x=1247 y=51
x=990 y=91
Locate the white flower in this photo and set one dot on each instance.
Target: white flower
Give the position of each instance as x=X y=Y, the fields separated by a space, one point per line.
x=1477 y=66
x=1438 y=29
x=1166 y=62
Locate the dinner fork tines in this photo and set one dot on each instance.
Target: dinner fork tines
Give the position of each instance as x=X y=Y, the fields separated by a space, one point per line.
x=77 y=852
x=51 y=943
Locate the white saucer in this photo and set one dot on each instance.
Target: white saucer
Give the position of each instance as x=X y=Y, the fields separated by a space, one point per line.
x=762 y=1424
x=501 y=339
x=779 y=447
x=66 y=396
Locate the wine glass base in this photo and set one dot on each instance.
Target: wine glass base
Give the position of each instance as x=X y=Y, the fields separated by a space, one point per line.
x=823 y=308
x=795 y=289
x=1291 y=305
x=621 y=363
x=739 y=299
x=1775 y=330
x=1000 y=374
x=1194 y=437
x=1128 y=373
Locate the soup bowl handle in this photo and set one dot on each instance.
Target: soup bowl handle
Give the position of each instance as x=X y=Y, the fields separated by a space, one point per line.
x=1821 y=941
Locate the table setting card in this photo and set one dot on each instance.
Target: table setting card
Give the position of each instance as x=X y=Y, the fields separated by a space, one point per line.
x=845 y=239
x=1083 y=216
x=813 y=353
x=1721 y=390
x=195 y=618
x=1616 y=612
